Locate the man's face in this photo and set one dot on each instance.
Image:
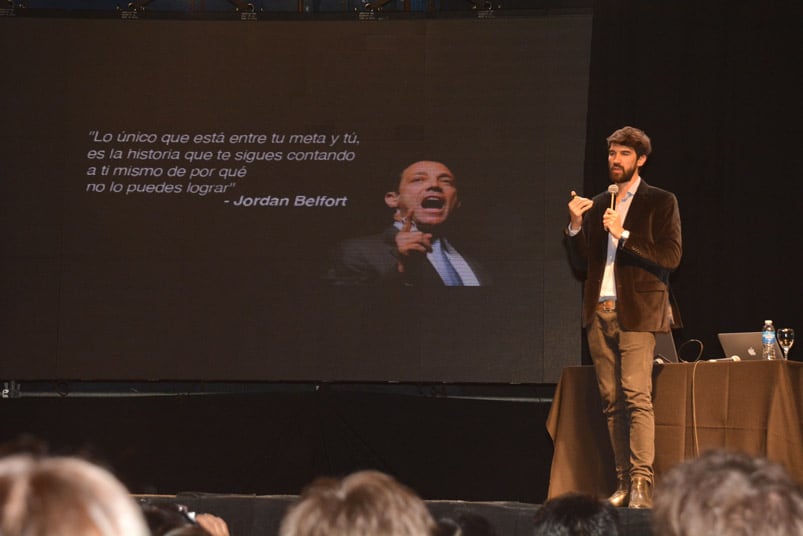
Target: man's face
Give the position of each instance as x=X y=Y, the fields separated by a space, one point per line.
x=623 y=163
x=428 y=191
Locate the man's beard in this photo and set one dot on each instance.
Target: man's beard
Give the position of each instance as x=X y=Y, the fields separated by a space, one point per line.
x=626 y=175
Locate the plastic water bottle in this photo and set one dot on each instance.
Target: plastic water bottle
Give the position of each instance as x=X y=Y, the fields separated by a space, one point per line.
x=768 y=341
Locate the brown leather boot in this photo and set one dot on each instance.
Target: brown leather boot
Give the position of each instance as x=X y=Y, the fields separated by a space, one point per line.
x=621 y=496
x=641 y=493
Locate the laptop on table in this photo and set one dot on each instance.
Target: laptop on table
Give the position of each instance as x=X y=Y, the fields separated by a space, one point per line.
x=747 y=345
x=665 y=351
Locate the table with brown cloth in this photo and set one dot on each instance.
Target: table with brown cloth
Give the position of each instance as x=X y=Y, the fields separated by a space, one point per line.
x=751 y=406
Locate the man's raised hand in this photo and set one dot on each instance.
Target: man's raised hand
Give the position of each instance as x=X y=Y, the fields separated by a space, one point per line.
x=410 y=243
x=577 y=207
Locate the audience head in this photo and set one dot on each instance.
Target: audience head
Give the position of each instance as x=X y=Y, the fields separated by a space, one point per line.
x=575 y=514
x=365 y=503
x=729 y=493
x=64 y=496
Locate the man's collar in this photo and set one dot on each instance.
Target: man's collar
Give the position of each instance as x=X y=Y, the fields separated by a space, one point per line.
x=634 y=186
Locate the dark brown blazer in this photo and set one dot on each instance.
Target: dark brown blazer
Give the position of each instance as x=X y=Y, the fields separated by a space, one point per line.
x=643 y=262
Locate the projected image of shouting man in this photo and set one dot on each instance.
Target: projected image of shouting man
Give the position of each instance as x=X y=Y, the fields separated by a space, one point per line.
x=415 y=250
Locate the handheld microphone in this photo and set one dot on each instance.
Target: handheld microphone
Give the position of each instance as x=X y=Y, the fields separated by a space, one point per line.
x=731 y=358
x=613 y=189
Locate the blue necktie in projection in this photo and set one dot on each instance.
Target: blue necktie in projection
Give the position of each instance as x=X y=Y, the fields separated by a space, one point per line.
x=445 y=269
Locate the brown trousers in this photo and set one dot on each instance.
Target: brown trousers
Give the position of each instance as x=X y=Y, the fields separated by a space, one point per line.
x=623 y=362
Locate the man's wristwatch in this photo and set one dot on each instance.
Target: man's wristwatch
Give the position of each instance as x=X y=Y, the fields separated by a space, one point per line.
x=625 y=235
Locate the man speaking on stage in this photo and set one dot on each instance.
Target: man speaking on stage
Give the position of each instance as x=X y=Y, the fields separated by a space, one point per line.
x=625 y=242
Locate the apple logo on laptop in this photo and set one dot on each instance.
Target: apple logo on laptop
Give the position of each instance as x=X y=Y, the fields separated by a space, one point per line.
x=752 y=352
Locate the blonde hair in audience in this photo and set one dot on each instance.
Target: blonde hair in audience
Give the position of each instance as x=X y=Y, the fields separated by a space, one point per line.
x=724 y=493
x=62 y=496
x=365 y=503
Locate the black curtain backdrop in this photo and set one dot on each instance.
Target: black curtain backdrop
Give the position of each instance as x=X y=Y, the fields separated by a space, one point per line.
x=714 y=85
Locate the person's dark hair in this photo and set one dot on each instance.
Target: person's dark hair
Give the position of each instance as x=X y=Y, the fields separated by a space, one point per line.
x=631 y=137
x=576 y=514
x=465 y=524
x=25 y=444
x=394 y=178
x=727 y=493
x=170 y=519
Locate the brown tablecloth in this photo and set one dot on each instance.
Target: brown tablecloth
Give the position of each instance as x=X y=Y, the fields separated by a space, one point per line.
x=752 y=406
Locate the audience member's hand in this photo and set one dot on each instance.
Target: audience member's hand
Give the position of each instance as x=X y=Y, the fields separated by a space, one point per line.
x=212 y=524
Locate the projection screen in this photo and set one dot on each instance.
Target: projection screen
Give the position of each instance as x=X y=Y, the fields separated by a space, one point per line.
x=173 y=190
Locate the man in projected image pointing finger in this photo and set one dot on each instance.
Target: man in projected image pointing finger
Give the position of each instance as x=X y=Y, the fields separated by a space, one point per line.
x=415 y=250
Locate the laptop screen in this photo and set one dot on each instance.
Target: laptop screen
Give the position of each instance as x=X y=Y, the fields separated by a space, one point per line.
x=665 y=348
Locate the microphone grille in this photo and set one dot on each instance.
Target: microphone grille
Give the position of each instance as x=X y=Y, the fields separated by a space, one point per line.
x=613 y=189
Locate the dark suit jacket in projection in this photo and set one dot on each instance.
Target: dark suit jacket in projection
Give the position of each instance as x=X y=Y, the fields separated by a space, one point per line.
x=373 y=260
x=643 y=262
